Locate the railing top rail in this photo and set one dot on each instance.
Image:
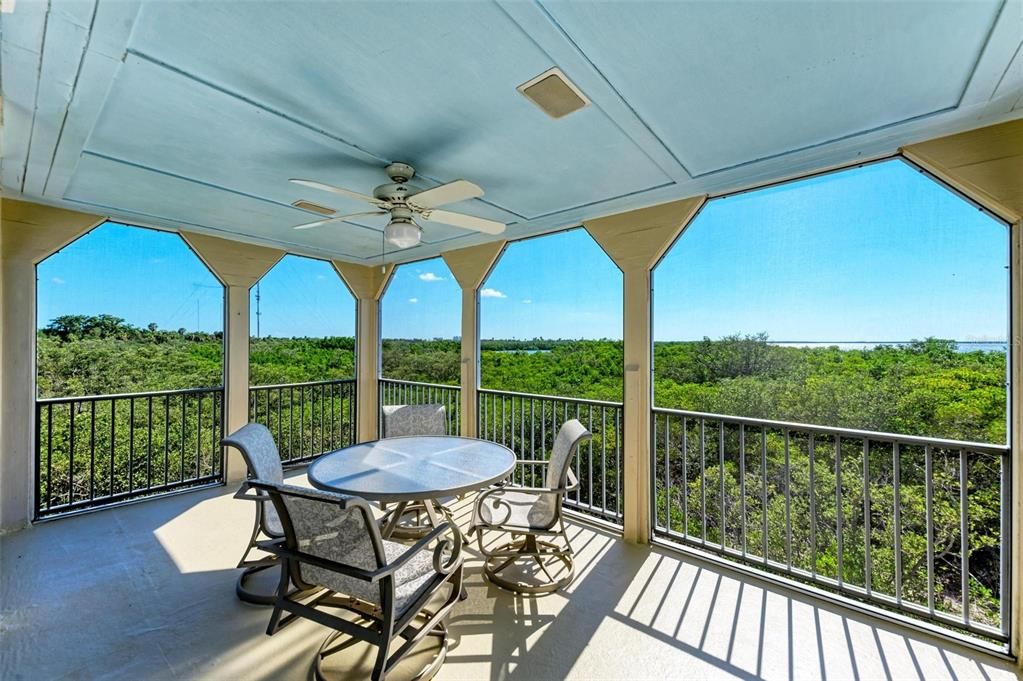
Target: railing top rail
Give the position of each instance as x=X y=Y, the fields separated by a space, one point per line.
x=120 y=396
x=982 y=447
x=581 y=400
x=426 y=385
x=329 y=381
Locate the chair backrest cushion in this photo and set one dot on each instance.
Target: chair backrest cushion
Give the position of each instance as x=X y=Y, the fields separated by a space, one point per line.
x=258 y=449
x=571 y=434
x=402 y=420
x=335 y=527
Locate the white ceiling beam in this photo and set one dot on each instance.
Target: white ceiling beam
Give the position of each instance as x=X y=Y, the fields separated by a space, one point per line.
x=994 y=65
x=68 y=25
x=20 y=60
x=100 y=64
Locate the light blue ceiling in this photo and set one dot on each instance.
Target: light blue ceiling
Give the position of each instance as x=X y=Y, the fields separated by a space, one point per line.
x=193 y=115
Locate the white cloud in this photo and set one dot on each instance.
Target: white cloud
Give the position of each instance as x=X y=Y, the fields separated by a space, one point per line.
x=413 y=300
x=320 y=277
x=430 y=276
x=58 y=280
x=491 y=293
x=527 y=301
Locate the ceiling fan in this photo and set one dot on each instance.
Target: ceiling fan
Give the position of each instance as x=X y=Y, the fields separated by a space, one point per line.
x=395 y=200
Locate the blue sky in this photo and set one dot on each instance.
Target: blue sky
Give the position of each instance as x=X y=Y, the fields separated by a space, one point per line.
x=877 y=253
x=302 y=297
x=141 y=275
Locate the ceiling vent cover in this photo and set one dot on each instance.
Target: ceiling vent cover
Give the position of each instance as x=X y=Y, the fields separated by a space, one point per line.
x=314 y=207
x=554 y=93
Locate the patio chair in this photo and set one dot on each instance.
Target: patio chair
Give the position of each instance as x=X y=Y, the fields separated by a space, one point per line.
x=404 y=420
x=331 y=541
x=257 y=447
x=532 y=517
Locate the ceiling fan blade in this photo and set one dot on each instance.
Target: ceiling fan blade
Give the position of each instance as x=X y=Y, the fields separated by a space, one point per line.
x=339 y=218
x=464 y=221
x=459 y=190
x=343 y=192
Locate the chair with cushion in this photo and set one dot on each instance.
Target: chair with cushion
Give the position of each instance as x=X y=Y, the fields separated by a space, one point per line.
x=532 y=517
x=257 y=447
x=401 y=420
x=332 y=542
x=408 y=420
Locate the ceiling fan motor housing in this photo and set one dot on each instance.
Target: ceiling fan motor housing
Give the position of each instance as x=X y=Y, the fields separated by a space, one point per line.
x=394 y=192
x=400 y=172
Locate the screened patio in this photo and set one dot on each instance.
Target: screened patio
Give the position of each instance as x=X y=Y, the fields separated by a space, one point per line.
x=715 y=536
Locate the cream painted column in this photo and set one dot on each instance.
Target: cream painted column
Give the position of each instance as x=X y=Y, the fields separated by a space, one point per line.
x=1016 y=424
x=986 y=165
x=368 y=284
x=636 y=241
x=28 y=234
x=470 y=267
x=238 y=266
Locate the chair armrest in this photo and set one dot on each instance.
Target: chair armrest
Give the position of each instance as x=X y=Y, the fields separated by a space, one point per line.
x=249 y=493
x=278 y=548
x=573 y=484
x=438 y=560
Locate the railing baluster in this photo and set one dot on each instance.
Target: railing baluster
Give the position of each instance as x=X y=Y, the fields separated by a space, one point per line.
x=721 y=480
x=166 y=439
x=71 y=454
x=198 y=433
x=1004 y=557
x=149 y=444
x=49 y=455
x=812 y=452
x=604 y=459
x=667 y=467
x=929 y=506
x=788 y=502
x=182 y=461
x=113 y=420
x=685 y=476
x=703 y=480
x=763 y=489
x=838 y=509
x=742 y=482
x=964 y=537
x=131 y=444
x=897 y=512
x=92 y=450
x=867 y=531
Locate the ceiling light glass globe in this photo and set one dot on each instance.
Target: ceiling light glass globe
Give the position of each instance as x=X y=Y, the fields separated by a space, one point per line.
x=402 y=233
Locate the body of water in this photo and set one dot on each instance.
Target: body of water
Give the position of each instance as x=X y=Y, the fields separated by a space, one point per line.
x=961 y=346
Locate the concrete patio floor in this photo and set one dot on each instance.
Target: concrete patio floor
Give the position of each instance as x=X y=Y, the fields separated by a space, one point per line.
x=146 y=591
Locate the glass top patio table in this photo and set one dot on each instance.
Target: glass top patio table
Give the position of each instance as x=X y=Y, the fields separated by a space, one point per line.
x=412 y=468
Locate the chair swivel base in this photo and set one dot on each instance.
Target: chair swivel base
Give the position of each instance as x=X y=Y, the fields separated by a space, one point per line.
x=343 y=657
x=529 y=547
x=249 y=595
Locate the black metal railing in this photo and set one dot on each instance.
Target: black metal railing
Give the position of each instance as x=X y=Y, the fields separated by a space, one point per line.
x=528 y=424
x=98 y=450
x=393 y=392
x=306 y=419
x=914 y=524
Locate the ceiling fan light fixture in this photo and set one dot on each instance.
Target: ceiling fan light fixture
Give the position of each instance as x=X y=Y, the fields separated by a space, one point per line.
x=403 y=233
